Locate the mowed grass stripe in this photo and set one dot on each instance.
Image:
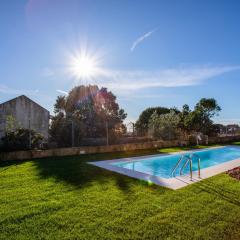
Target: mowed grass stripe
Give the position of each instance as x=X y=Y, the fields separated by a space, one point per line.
x=66 y=198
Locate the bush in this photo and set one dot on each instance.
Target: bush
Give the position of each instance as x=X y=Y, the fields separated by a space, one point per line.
x=164 y=126
x=20 y=140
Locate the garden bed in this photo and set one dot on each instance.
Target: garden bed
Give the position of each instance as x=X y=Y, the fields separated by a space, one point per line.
x=235 y=173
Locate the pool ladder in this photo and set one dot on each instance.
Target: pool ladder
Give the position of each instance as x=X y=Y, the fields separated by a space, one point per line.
x=185 y=159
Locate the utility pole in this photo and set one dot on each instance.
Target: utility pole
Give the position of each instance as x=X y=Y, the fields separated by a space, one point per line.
x=107 y=133
x=72 y=133
x=30 y=137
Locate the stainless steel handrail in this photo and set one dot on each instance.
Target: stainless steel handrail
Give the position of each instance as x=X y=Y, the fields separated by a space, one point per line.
x=190 y=169
x=188 y=158
x=177 y=164
x=199 y=164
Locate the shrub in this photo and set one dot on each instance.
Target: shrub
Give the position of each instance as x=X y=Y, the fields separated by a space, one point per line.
x=19 y=139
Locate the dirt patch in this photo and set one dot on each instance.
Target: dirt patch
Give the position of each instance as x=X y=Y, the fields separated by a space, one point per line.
x=235 y=173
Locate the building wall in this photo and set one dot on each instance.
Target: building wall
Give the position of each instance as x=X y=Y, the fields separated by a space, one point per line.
x=27 y=113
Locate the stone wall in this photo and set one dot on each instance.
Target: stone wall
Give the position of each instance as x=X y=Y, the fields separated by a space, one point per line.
x=33 y=154
x=225 y=139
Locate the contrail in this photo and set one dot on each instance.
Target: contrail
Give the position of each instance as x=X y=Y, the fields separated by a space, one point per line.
x=61 y=91
x=143 y=37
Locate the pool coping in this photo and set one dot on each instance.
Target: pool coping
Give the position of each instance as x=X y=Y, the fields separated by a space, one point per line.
x=172 y=183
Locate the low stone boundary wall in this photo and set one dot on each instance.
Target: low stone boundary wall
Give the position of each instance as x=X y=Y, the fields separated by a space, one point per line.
x=21 y=155
x=33 y=154
x=225 y=139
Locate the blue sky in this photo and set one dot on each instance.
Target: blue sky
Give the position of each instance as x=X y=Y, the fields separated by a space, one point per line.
x=149 y=53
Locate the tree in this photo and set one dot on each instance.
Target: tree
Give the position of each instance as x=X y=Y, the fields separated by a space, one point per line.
x=86 y=110
x=61 y=130
x=200 y=119
x=143 y=120
x=184 y=124
x=60 y=105
x=164 y=126
x=208 y=107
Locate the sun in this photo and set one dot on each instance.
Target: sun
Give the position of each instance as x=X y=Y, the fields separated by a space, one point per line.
x=84 y=66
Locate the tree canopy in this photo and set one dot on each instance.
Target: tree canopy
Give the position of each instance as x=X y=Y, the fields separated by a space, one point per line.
x=164 y=126
x=88 y=108
x=143 y=120
x=200 y=119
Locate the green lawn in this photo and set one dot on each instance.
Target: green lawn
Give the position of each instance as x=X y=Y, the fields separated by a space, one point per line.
x=66 y=198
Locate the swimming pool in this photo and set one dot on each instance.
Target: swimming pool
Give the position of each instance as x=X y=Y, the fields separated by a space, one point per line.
x=162 y=166
x=158 y=168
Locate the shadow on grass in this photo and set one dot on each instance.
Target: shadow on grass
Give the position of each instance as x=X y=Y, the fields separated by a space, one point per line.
x=7 y=165
x=219 y=191
x=76 y=171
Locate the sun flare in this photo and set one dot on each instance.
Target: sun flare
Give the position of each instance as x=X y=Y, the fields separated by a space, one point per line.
x=84 y=66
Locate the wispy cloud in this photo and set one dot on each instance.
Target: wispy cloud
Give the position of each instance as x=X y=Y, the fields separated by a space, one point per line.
x=12 y=91
x=62 y=92
x=126 y=81
x=142 y=38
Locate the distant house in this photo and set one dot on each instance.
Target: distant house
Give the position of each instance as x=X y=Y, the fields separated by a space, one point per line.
x=233 y=128
x=27 y=113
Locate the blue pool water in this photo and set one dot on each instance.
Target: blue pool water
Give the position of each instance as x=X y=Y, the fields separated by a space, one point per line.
x=162 y=166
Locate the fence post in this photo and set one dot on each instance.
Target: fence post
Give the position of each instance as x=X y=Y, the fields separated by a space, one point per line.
x=107 y=133
x=30 y=137
x=72 y=133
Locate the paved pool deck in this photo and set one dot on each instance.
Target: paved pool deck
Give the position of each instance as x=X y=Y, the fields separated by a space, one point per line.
x=174 y=182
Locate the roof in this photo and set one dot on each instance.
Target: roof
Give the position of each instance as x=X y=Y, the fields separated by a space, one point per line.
x=23 y=96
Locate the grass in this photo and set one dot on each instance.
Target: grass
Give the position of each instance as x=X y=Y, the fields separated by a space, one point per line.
x=179 y=149
x=236 y=143
x=66 y=198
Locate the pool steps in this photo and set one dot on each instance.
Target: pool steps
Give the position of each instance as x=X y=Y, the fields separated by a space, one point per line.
x=188 y=160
